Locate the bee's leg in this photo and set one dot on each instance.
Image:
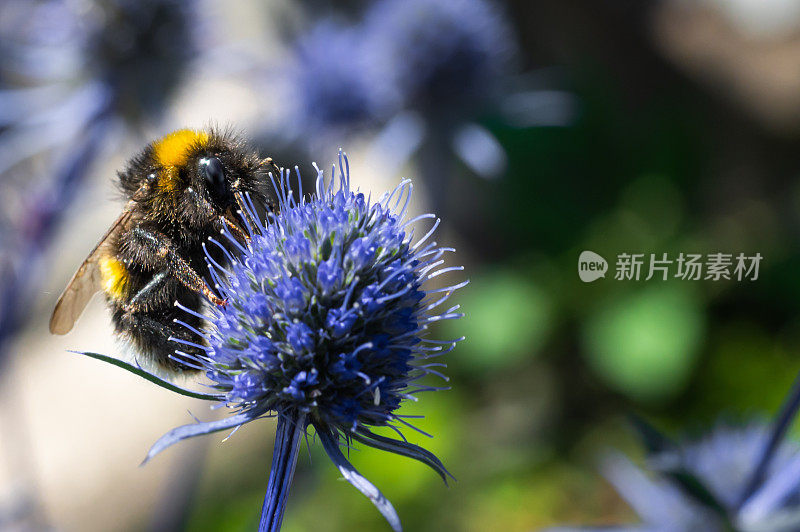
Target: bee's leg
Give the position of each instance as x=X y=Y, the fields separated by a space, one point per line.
x=225 y=219
x=233 y=227
x=139 y=301
x=160 y=245
x=191 y=279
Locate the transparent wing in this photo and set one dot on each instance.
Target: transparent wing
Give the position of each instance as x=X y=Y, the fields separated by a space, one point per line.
x=85 y=282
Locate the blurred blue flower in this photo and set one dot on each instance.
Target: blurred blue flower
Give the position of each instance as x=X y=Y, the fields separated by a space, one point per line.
x=66 y=63
x=337 y=81
x=450 y=64
x=699 y=484
x=326 y=325
x=422 y=73
x=443 y=54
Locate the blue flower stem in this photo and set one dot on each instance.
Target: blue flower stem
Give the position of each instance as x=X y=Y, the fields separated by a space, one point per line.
x=779 y=428
x=284 y=460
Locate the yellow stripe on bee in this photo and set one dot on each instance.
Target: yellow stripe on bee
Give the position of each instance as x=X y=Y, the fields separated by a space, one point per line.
x=114 y=277
x=172 y=151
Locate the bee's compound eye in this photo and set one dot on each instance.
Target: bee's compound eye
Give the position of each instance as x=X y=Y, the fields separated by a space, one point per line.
x=214 y=174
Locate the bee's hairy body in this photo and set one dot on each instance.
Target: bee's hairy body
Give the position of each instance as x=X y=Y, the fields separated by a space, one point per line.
x=141 y=290
x=181 y=190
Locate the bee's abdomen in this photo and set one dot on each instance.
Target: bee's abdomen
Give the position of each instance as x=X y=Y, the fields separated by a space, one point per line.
x=150 y=326
x=142 y=299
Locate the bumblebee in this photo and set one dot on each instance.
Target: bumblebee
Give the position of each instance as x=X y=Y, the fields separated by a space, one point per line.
x=180 y=190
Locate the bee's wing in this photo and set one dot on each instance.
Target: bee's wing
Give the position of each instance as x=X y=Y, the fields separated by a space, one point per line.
x=84 y=283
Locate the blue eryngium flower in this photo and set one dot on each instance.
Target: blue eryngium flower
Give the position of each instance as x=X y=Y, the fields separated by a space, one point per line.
x=326 y=325
x=443 y=54
x=338 y=82
x=703 y=484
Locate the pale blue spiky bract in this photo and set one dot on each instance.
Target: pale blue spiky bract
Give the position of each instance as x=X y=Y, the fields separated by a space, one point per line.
x=720 y=465
x=326 y=324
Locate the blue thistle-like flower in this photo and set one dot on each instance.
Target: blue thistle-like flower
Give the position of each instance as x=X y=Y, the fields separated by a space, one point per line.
x=443 y=53
x=403 y=55
x=338 y=82
x=422 y=72
x=703 y=484
x=325 y=325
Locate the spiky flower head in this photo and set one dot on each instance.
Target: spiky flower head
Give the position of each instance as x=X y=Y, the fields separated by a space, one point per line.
x=326 y=311
x=326 y=325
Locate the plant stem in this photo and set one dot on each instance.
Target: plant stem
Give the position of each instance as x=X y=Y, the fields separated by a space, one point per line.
x=284 y=460
x=779 y=428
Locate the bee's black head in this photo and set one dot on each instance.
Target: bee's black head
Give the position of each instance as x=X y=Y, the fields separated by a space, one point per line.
x=212 y=172
x=195 y=176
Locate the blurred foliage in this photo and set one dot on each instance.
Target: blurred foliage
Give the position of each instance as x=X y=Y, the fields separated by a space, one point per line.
x=507 y=321
x=644 y=345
